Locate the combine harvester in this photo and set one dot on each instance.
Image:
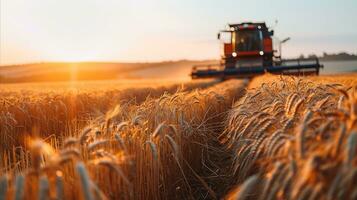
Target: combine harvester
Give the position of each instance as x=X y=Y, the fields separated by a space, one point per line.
x=248 y=51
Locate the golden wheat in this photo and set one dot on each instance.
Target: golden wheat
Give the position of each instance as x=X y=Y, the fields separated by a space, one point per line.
x=283 y=138
x=309 y=148
x=110 y=159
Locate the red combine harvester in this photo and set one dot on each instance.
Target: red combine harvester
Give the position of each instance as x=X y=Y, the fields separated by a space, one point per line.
x=248 y=51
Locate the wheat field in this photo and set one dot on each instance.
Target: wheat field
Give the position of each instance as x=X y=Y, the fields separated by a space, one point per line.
x=54 y=110
x=295 y=138
x=273 y=137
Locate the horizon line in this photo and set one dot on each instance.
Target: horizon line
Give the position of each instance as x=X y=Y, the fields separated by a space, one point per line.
x=104 y=62
x=145 y=62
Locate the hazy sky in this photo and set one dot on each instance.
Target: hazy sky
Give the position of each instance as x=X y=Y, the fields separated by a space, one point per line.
x=152 y=30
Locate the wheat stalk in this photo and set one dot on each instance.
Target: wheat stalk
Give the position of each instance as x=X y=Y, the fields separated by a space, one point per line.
x=85 y=181
x=245 y=190
x=44 y=188
x=3 y=187
x=59 y=186
x=351 y=147
x=153 y=148
x=158 y=129
x=19 y=187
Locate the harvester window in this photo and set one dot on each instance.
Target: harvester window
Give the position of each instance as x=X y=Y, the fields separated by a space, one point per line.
x=225 y=37
x=248 y=40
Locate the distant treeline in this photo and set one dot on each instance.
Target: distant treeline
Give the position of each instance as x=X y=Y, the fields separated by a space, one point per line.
x=332 y=57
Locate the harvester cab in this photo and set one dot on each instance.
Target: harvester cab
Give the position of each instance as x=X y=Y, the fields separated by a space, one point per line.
x=248 y=51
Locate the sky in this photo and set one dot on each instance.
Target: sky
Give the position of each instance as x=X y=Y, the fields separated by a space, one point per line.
x=156 y=30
